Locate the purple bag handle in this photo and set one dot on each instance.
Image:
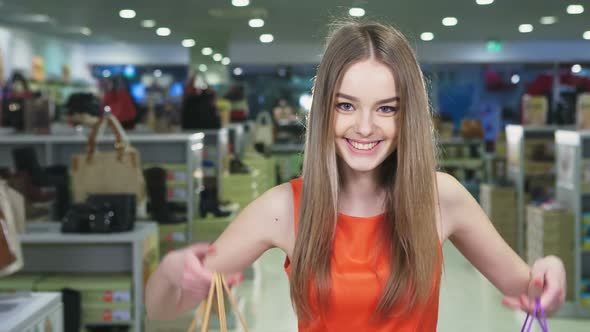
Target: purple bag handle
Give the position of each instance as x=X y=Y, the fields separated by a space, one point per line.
x=539 y=314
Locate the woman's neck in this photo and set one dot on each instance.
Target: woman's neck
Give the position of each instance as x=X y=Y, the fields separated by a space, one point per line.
x=360 y=193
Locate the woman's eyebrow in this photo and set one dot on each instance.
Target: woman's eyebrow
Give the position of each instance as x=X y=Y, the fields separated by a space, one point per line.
x=384 y=101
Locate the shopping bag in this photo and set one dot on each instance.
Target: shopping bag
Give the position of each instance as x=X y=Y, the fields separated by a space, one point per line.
x=11 y=259
x=216 y=294
x=108 y=172
x=539 y=315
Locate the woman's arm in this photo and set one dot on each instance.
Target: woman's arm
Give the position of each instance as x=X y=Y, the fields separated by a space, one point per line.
x=471 y=231
x=182 y=279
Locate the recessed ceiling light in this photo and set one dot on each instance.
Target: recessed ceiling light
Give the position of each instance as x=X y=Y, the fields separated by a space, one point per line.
x=238 y=71
x=163 y=32
x=356 y=12
x=225 y=61
x=157 y=73
x=207 y=51
x=148 y=23
x=515 y=79
x=256 y=23
x=266 y=38
x=188 y=43
x=525 y=28
x=576 y=68
x=203 y=67
x=217 y=57
x=85 y=31
x=575 y=9
x=586 y=35
x=548 y=20
x=449 y=21
x=484 y=2
x=427 y=36
x=127 y=13
x=240 y=3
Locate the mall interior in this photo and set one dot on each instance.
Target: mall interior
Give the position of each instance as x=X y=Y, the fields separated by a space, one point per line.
x=134 y=131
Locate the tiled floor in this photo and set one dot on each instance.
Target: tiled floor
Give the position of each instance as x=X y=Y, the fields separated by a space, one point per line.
x=468 y=301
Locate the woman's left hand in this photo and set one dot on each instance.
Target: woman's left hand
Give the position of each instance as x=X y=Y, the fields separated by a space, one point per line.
x=547 y=282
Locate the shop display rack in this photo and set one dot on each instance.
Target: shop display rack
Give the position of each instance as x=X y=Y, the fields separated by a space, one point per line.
x=573 y=184
x=181 y=154
x=531 y=169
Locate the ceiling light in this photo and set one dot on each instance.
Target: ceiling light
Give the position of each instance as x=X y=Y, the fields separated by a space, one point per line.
x=576 y=68
x=188 y=43
x=449 y=21
x=356 y=12
x=515 y=79
x=163 y=32
x=575 y=9
x=85 y=31
x=203 y=67
x=240 y=3
x=548 y=20
x=238 y=71
x=39 y=18
x=157 y=73
x=256 y=23
x=217 y=57
x=525 y=28
x=484 y=2
x=148 y=23
x=266 y=38
x=127 y=13
x=427 y=36
x=586 y=35
x=225 y=61
x=106 y=73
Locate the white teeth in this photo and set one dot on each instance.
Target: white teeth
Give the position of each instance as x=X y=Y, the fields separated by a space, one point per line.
x=363 y=146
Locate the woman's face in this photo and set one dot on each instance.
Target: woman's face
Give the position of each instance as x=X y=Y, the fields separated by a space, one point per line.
x=366 y=107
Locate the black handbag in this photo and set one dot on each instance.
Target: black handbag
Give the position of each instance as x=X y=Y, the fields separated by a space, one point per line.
x=122 y=205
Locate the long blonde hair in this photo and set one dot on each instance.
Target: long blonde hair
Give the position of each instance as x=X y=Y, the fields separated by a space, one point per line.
x=408 y=175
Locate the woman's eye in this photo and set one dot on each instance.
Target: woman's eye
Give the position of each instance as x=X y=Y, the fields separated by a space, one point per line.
x=347 y=107
x=388 y=109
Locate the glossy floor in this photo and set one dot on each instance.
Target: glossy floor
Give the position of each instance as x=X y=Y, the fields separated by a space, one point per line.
x=468 y=301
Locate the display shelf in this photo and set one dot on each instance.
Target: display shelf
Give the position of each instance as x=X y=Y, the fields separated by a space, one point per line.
x=30 y=313
x=572 y=147
x=182 y=151
x=530 y=158
x=47 y=250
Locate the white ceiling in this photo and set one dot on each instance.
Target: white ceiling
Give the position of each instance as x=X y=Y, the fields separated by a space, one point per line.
x=217 y=23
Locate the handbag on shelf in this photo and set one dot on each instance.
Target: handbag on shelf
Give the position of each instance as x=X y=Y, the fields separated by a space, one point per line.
x=108 y=172
x=11 y=211
x=216 y=295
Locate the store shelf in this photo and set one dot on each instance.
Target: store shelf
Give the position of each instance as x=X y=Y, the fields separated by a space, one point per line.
x=176 y=152
x=572 y=191
x=462 y=163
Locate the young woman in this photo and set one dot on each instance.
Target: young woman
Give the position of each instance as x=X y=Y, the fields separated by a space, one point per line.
x=364 y=226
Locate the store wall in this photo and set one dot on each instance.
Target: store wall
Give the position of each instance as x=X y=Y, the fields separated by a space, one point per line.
x=19 y=47
x=465 y=52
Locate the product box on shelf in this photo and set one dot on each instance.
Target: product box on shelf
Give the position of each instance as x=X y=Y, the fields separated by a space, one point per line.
x=499 y=203
x=100 y=313
x=550 y=231
x=586 y=243
x=20 y=282
x=585 y=286
x=95 y=289
x=585 y=299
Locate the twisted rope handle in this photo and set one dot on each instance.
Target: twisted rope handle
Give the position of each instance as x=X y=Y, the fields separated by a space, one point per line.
x=539 y=314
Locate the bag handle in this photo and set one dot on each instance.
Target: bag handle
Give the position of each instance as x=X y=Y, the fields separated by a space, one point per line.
x=538 y=314
x=216 y=294
x=120 y=138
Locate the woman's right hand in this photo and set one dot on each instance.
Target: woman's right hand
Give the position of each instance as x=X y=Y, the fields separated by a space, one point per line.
x=184 y=269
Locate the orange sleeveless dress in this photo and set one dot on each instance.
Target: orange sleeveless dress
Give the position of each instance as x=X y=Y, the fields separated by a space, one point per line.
x=358 y=277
